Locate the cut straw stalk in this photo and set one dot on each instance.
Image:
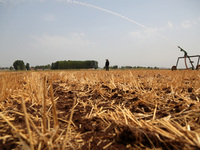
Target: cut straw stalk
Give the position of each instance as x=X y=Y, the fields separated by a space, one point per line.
x=106 y=146
x=44 y=105
x=32 y=124
x=154 y=113
x=125 y=118
x=69 y=124
x=175 y=131
x=27 y=124
x=91 y=112
x=157 y=130
x=55 y=118
x=13 y=127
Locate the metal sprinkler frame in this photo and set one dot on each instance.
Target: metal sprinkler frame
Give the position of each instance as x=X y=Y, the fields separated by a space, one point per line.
x=185 y=57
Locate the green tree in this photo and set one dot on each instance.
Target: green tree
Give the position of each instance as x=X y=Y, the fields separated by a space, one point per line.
x=75 y=64
x=27 y=66
x=114 y=67
x=11 y=68
x=19 y=65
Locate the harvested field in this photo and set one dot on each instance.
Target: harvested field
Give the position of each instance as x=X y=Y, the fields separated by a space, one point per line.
x=135 y=109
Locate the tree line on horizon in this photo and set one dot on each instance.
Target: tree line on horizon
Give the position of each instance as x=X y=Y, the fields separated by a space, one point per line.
x=131 y=67
x=70 y=64
x=88 y=64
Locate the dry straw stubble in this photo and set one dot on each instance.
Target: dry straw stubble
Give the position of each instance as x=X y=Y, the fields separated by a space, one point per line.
x=100 y=110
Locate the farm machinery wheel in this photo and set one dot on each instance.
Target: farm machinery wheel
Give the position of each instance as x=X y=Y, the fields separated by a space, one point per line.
x=173 y=68
x=198 y=67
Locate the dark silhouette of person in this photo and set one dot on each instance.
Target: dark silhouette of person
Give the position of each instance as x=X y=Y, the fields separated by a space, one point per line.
x=107 y=65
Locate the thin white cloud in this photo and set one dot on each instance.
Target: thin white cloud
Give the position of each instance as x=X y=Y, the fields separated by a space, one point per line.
x=146 y=33
x=188 y=23
x=198 y=19
x=71 y=42
x=170 y=24
x=49 y=17
x=5 y=2
x=14 y=2
x=138 y=34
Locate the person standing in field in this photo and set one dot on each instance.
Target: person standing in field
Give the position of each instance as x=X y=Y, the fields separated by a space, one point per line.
x=107 y=65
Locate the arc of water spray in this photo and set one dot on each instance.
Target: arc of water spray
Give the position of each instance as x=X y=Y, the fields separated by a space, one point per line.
x=121 y=16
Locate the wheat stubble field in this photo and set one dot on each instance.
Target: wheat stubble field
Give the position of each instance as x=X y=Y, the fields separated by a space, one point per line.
x=130 y=109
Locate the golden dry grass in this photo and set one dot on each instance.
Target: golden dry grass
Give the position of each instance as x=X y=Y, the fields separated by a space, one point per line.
x=133 y=109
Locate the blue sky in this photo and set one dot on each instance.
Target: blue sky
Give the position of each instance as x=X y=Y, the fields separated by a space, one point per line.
x=40 y=32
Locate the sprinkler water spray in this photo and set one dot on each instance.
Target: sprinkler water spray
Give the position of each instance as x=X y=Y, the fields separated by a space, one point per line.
x=123 y=17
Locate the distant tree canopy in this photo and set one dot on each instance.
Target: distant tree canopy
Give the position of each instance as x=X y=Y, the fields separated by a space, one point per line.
x=75 y=64
x=43 y=67
x=126 y=67
x=27 y=66
x=112 y=67
x=138 y=67
x=19 y=65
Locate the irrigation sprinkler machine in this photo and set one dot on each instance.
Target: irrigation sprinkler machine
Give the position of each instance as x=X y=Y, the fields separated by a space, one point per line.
x=185 y=57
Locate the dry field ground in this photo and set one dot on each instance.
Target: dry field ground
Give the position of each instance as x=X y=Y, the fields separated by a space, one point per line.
x=130 y=109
